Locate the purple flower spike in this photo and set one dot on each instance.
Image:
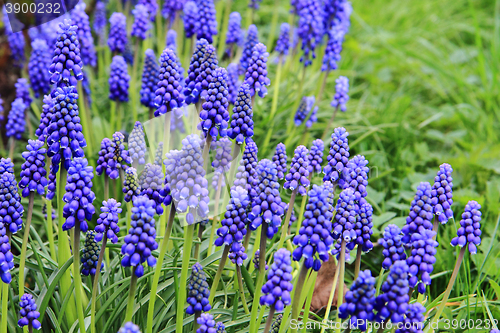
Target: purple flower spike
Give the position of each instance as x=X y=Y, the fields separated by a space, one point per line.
x=313 y=118
x=172 y=44
x=250 y=42
x=280 y=159
x=469 y=232
x=314 y=239
x=242 y=118
x=16 y=120
x=28 y=312
x=11 y=210
x=392 y=303
x=33 y=169
x=283 y=42
x=207 y=323
x=364 y=227
x=6 y=165
x=232 y=83
x=131 y=185
x=420 y=217
x=169 y=91
x=170 y=9
x=414 y=321
x=233 y=33
x=23 y=91
x=276 y=291
x=152 y=7
x=41 y=131
x=105 y=162
x=137 y=144
x=81 y=20
x=66 y=56
x=190 y=19
x=359 y=301
x=422 y=258
x=442 y=193
x=333 y=49
x=118 y=80
x=15 y=39
x=151 y=185
x=90 y=254
x=310 y=29
x=305 y=107
x=142 y=22
x=129 y=328
x=107 y=223
x=209 y=65
x=194 y=69
x=355 y=176
x=214 y=115
x=37 y=67
x=338 y=156
x=345 y=218
x=79 y=196
x=100 y=23
x=198 y=291
x=246 y=173
x=207 y=21
x=149 y=79
x=117 y=39
x=297 y=176
x=256 y=261
x=140 y=242
x=393 y=246
x=315 y=156
x=256 y=74
x=341 y=93
x=6 y=257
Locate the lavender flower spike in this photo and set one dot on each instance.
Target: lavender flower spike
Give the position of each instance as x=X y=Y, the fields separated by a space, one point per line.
x=297 y=176
x=16 y=120
x=256 y=74
x=363 y=227
x=355 y=176
x=345 y=218
x=242 y=119
x=214 y=115
x=276 y=291
x=141 y=23
x=310 y=29
x=422 y=258
x=194 y=71
x=169 y=91
x=280 y=159
x=341 y=93
x=393 y=246
x=118 y=80
x=33 y=174
x=469 y=232
x=117 y=39
x=442 y=193
x=420 y=217
x=107 y=223
x=338 y=156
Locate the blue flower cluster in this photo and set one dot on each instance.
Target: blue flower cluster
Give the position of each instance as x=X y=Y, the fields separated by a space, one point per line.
x=190 y=19
x=149 y=79
x=338 y=156
x=207 y=26
x=283 y=42
x=142 y=22
x=170 y=9
x=422 y=258
x=6 y=257
x=246 y=173
x=341 y=93
x=442 y=193
x=118 y=80
x=105 y=161
x=81 y=20
x=393 y=246
x=233 y=33
x=251 y=40
x=333 y=49
x=297 y=176
x=23 y=91
x=207 y=323
x=256 y=73
x=214 y=115
x=121 y=156
x=16 y=119
x=420 y=217
x=198 y=291
x=256 y=260
x=129 y=328
x=209 y=65
x=100 y=23
x=222 y=161
x=6 y=165
x=345 y=218
x=11 y=210
x=192 y=85
x=414 y=320
x=152 y=7
x=305 y=107
x=107 y=223
x=131 y=185
x=28 y=312
x=37 y=67
x=355 y=176
x=315 y=156
x=45 y=117
x=233 y=84
x=90 y=254
x=469 y=232
x=310 y=29
x=33 y=173
x=276 y=291
x=363 y=227
x=15 y=39
x=280 y=160
x=117 y=39
x=137 y=144
x=151 y=185
x=242 y=118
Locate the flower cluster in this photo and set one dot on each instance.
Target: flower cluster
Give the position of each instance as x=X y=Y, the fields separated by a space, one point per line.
x=142 y=22
x=90 y=254
x=37 y=67
x=414 y=319
x=420 y=217
x=310 y=29
x=214 y=115
x=207 y=26
x=6 y=257
x=6 y=165
x=190 y=19
x=16 y=120
x=121 y=156
x=283 y=42
x=137 y=144
x=23 y=91
x=170 y=9
x=254 y=4
x=207 y=323
x=297 y=176
x=33 y=169
x=118 y=80
x=222 y=160
x=131 y=185
x=256 y=74
x=81 y=20
x=442 y=193
x=129 y=328
x=28 y=312
x=363 y=227
x=11 y=210
x=246 y=173
x=233 y=32
x=105 y=161
x=107 y=223
x=151 y=185
x=313 y=118
x=117 y=39
x=469 y=232
x=345 y=218
x=242 y=118
x=256 y=261
x=305 y=107
x=338 y=156
x=41 y=131
x=315 y=156
x=194 y=69
x=333 y=49
x=198 y=291
x=276 y=290
x=172 y=44
x=100 y=23
x=422 y=258
x=393 y=246
x=15 y=39
x=355 y=176
x=280 y=160
x=233 y=85
x=250 y=42
x=152 y=7
x=149 y=79
x=341 y=93
x=209 y=65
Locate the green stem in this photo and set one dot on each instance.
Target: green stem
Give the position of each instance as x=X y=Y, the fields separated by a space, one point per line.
x=78 y=278
x=242 y=291
x=216 y=215
x=112 y=117
x=216 y=280
x=284 y=226
x=274 y=23
x=274 y=106
x=131 y=298
x=188 y=242
x=50 y=231
x=260 y=279
x=5 y=308
x=269 y=320
x=22 y=261
x=329 y=125
x=330 y=298
x=84 y=117
x=296 y=306
x=357 y=265
x=106 y=187
x=303 y=206
x=96 y=284
x=198 y=243
x=12 y=142
x=310 y=286
x=341 y=266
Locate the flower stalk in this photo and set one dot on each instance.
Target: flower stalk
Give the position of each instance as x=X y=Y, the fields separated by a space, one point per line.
x=188 y=242
x=22 y=261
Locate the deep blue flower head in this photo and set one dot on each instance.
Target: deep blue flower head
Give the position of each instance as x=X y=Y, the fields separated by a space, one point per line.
x=186 y=176
x=220 y=328
x=363 y=227
x=137 y=144
x=140 y=241
x=152 y=184
x=129 y=328
x=251 y=40
x=28 y=312
x=81 y=20
x=11 y=210
x=100 y=21
x=6 y=165
x=121 y=156
x=331 y=58
x=33 y=173
x=280 y=159
x=142 y=22
x=128 y=54
x=341 y=93
x=16 y=119
x=198 y=291
x=392 y=303
x=310 y=29
x=393 y=246
x=256 y=261
x=420 y=213
x=206 y=323
x=246 y=173
x=214 y=115
x=131 y=184
x=118 y=79
x=242 y=118
x=169 y=90
x=469 y=232
x=276 y=291
x=442 y=193
x=414 y=320
x=315 y=156
x=345 y=217
x=209 y=64
x=338 y=156
x=194 y=71
x=66 y=56
x=207 y=26
x=170 y=9
x=37 y=67
x=337 y=13
x=149 y=79
x=283 y=42
x=6 y=257
x=355 y=176
x=256 y=74
x=117 y=39
x=105 y=161
x=422 y=258
x=15 y=39
x=152 y=7
x=190 y=19
x=275 y=327
x=254 y=4
x=359 y=301
x=23 y=91
x=107 y=223
x=313 y=118
x=297 y=176
x=314 y=237
x=233 y=85
x=90 y=254
x=45 y=117
x=266 y=200
x=305 y=107
x=79 y=196
x=233 y=34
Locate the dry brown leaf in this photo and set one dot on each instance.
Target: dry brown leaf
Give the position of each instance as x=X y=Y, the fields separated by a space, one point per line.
x=323 y=286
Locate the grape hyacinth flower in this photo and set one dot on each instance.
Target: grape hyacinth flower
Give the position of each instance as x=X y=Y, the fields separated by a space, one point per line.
x=313 y=118
x=28 y=312
x=121 y=157
x=246 y=173
x=170 y=9
x=256 y=260
x=129 y=328
x=314 y=239
x=117 y=39
x=331 y=58
x=190 y=19
x=242 y=118
x=233 y=33
x=107 y=223
x=208 y=66
x=149 y=79
x=141 y=23
x=363 y=227
x=442 y=193
x=206 y=323
x=280 y=159
x=159 y=154
x=33 y=173
x=128 y=54
x=105 y=162
x=420 y=217
x=172 y=44
x=275 y=327
x=359 y=301
x=207 y=21
x=100 y=23
x=345 y=218
x=16 y=120
x=79 y=196
x=118 y=80
x=198 y=291
x=256 y=74
x=15 y=39
x=297 y=176
x=233 y=85
x=6 y=165
x=214 y=115
x=23 y=91
x=90 y=254
x=222 y=160
x=393 y=246
x=37 y=67
x=6 y=257
x=41 y=131
x=469 y=232
x=315 y=156
x=392 y=303
x=355 y=176
x=305 y=107
x=137 y=144
x=81 y=20
x=338 y=156
x=414 y=319
x=341 y=93
x=421 y=260
x=283 y=42
x=11 y=210
x=140 y=241
x=66 y=56
x=152 y=184
x=251 y=40
x=152 y=7
x=194 y=71
x=276 y=290
x=220 y=328
x=169 y=90
x=131 y=185
x=310 y=29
